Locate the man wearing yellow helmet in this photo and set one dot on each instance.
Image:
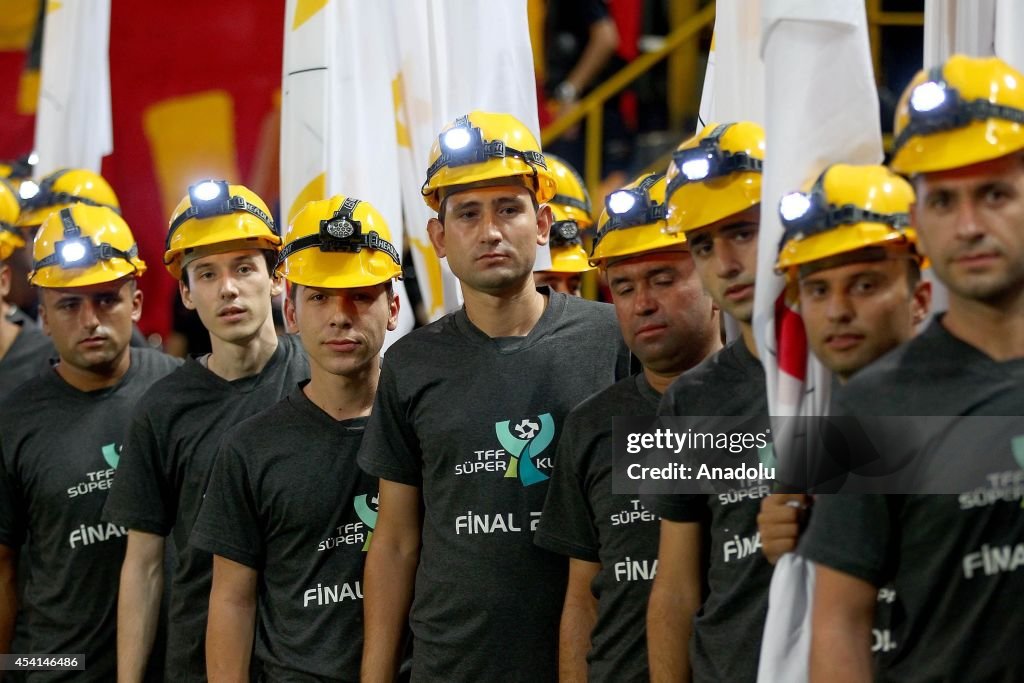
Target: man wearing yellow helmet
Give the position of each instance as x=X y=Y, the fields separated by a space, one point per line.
x=61 y=438
x=288 y=514
x=959 y=135
x=713 y=196
x=851 y=254
x=24 y=349
x=849 y=249
x=670 y=324
x=464 y=427
x=58 y=190
x=570 y=212
x=222 y=246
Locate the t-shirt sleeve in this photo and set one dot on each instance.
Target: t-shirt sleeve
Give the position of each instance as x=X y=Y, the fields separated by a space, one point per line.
x=142 y=495
x=851 y=534
x=12 y=505
x=567 y=522
x=229 y=522
x=390 y=449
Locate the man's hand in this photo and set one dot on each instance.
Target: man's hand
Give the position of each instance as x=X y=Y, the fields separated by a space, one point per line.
x=781 y=518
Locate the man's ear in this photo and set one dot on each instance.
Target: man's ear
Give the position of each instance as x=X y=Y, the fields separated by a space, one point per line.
x=136 y=303
x=291 y=319
x=921 y=304
x=544 y=220
x=393 y=317
x=276 y=284
x=186 y=295
x=5 y=281
x=435 y=229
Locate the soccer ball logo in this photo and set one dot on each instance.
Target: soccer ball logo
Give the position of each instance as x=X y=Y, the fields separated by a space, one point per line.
x=527 y=429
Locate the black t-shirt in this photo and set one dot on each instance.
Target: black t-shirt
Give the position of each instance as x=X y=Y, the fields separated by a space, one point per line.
x=288 y=499
x=171 y=443
x=956 y=562
x=726 y=640
x=584 y=519
x=472 y=421
x=59 y=449
x=28 y=356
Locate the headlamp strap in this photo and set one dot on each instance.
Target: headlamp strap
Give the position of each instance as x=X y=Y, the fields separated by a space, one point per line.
x=730 y=162
x=644 y=212
x=235 y=204
x=99 y=252
x=341 y=232
x=489 y=149
x=962 y=113
x=566 y=200
x=838 y=216
x=71 y=228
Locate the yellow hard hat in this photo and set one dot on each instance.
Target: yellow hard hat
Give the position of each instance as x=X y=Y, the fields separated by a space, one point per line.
x=847 y=209
x=339 y=243
x=968 y=110
x=567 y=252
x=483 y=146
x=214 y=212
x=10 y=237
x=83 y=245
x=633 y=221
x=60 y=190
x=714 y=174
x=570 y=194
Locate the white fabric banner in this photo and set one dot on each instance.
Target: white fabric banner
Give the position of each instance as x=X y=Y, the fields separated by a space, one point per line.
x=1009 y=30
x=821 y=108
x=73 y=118
x=739 y=70
x=734 y=80
x=960 y=26
x=454 y=57
x=338 y=119
x=368 y=86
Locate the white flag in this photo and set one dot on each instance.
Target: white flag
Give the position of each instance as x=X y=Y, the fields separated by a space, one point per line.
x=958 y=26
x=821 y=108
x=734 y=80
x=738 y=71
x=367 y=88
x=456 y=56
x=338 y=114
x=1009 y=29
x=73 y=118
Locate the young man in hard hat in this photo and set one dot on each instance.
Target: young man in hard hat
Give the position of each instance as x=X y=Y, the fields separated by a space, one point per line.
x=222 y=246
x=954 y=560
x=670 y=324
x=570 y=212
x=61 y=436
x=714 y=194
x=288 y=514
x=58 y=190
x=465 y=425
x=851 y=254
